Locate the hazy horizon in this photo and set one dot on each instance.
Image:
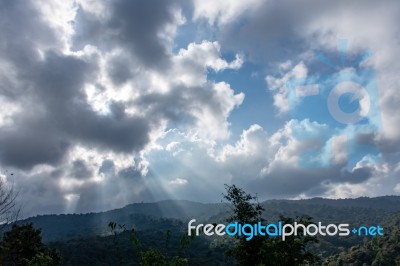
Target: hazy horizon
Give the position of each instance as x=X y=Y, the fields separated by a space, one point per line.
x=185 y=200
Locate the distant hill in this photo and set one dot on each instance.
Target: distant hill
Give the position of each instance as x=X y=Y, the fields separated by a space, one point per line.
x=389 y=203
x=139 y=215
x=355 y=211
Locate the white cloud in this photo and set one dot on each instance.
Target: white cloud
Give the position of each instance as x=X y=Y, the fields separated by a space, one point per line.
x=192 y=63
x=277 y=85
x=253 y=143
x=178 y=182
x=59 y=16
x=223 y=11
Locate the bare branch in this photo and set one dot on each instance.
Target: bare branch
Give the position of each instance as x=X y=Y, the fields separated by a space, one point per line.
x=9 y=210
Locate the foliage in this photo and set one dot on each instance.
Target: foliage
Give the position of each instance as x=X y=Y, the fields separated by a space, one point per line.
x=153 y=256
x=262 y=250
x=82 y=239
x=246 y=208
x=162 y=245
x=353 y=211
x=376 y=251
x=22 y=245
x=293 y=251
x=119 y=249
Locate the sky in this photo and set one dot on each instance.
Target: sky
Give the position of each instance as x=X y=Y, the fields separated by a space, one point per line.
x=106 y=103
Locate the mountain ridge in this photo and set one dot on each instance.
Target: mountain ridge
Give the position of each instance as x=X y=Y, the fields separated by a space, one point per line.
x=140 y=215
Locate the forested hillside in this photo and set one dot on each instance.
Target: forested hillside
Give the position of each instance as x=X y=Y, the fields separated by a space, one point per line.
x=354 y=211
x=86 y=239
x=376 y=251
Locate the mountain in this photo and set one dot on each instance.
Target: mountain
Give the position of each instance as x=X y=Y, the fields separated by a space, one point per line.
x=358 y=211
x=376 y=251
x=389 y=203
x=86 y=239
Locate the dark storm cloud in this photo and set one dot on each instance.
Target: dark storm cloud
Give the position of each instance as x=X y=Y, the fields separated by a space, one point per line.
x=171 y=105
x=80 y=170
x=282 y=30
x=55 y=111
x=117 y=189
x=130 y=172
x=119 y=70
x=180 y=102
x=284 y=181
x=272 y=32
x=25 y=142
x=134 y=25
x=89 y=29
x=137 y=25
x=58 y=115
x=356 y=176
x=64 y=116
x=22 y=31
x=30 y=143
x=39 y=193
x=42 y=193
x=107 y=167
x=272 y=171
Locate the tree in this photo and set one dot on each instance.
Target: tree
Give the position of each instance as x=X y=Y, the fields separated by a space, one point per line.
x=292 y=251
x=245 y=210
x=154 y=256
x=8 y=208
x=382 y=250
x=264 y=250
x=22 y=246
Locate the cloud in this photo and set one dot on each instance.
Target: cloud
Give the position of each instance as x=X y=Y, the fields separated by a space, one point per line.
x=278 y=85
x=274 y=170
x=94 y=179
x=223 y=12
x=280 y=31
x=80 y=170
x=63 y=115
x=108 y=102
x=189 y=98
x=207 y=54
x=59 y=115
x=178 y=182
x=143 y=29
x=262 y=163
x=87 y=100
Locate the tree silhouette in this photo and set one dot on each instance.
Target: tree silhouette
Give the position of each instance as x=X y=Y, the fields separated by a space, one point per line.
x=22 y=246
x=8 y=207
x=264 y=250
x=153 y=256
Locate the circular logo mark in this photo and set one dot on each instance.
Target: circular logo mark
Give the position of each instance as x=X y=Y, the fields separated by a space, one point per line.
x=358 y=92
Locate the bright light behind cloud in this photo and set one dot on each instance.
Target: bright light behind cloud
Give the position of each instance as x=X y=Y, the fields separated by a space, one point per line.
x=104 y=103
